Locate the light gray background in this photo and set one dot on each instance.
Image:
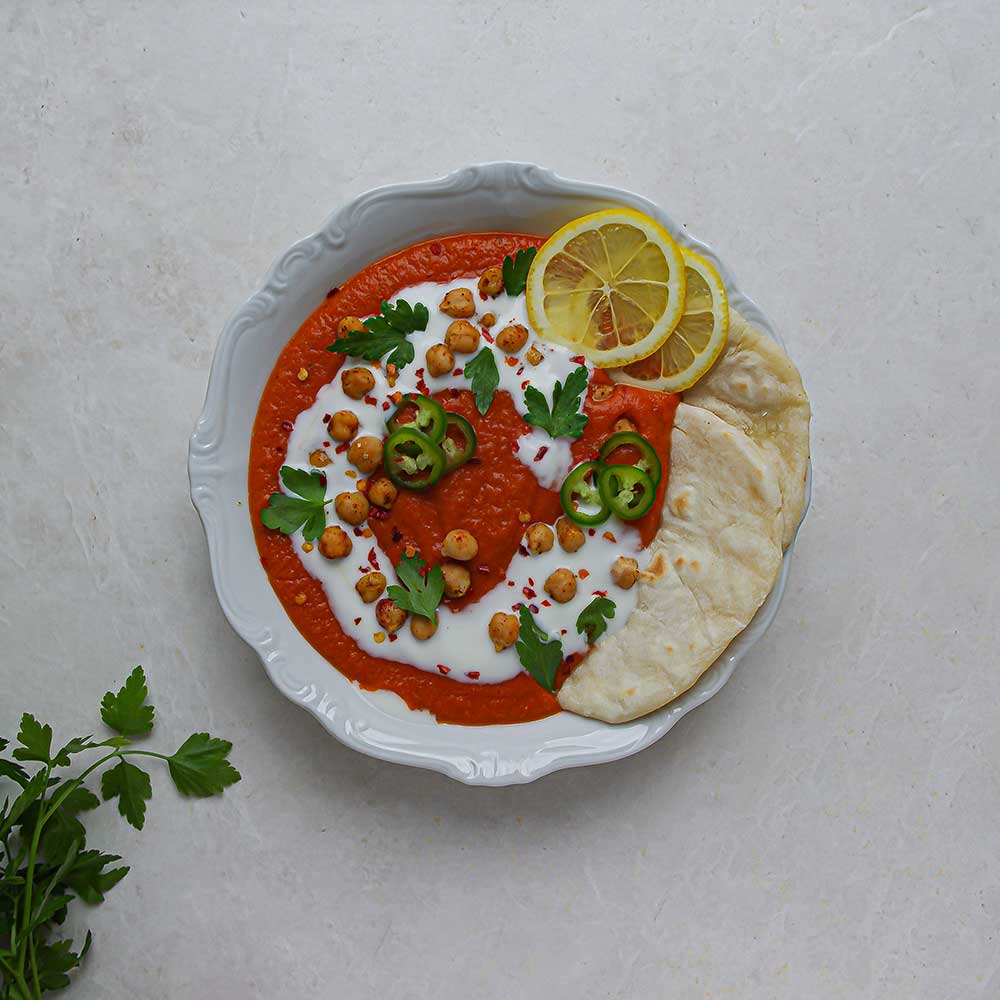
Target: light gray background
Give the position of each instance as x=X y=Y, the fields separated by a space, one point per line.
x=827 y=826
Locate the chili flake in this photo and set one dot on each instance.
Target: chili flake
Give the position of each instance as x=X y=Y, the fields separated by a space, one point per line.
x=473 y=675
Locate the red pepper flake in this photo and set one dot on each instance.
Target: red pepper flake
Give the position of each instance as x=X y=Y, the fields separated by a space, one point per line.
x=473 y=675
x=546 y=604
x=287 y=425
x=542 y=452
x=600 y=593
x=517 y=607
x=419 y=373
x=474 y=461
x=525 y=384
x=487 y=336
x=562 y=631
x=528 y=592
x=371 y=400
x=510 y=583
x=483 y=296
x=422 y=386
x=341 y=448
x=520 y=371
x=522 y=549
x=397 y=535
x=424 y=570
x=583 y=574
x=333 y=291
x=531 y=581
x=512 y=362
x=393 y=637
x=377 y=514
x=373 y=557
x=610 y=536
x=385 y=406
x=322 y=478
x=591 y=532
x=436 y=248
x=364 y=569
x=326 y=418
x=444 y=669
x=357 y=621
x=578 y=359
x=533 y=608
x=358 y=532
x=458 y=371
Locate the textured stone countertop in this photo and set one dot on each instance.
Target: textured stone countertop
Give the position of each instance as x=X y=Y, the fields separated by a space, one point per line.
x=826 y=827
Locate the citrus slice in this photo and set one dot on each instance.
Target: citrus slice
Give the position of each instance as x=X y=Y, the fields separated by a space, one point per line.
x=696 y=341
x=609 y=285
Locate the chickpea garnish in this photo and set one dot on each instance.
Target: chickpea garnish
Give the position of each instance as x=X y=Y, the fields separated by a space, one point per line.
x=624 y=572
x=488 y=320
x=343 y=425
x=534 y=356
x=357 y=382
x=370 y=586
x=561 y=585
x=457 y=579
x=512 y=338
x=351 y=507
x=623 y=424
x=460 y=544
x=462 y=336
x=421 y=627
x=335 y=543
x=318 y=459
x=439 y=359
x=491 y=282
x=570 y=535
x=382 y=493
x=538 y=539
x=389 y=615
x=366 y=453
x=350 y=324
x=504 y=630
x=458 y=303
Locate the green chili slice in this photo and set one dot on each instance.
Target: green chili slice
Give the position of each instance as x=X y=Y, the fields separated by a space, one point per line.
x=429 y=416
x=412 y=460
x=459 y=441
x=649 y=461
x=578 y=489
x=626 y=490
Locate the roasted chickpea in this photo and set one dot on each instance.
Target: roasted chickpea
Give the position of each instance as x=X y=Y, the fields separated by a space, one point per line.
x=458 y=303
x=623 y=424
x=421 y=627
x=439 y=359
x=335 y=543
x=351 y=507
x=343 y=425
x=538 y=538
x=459 y=544
x=624 y=572
x=382 y=493
x=389 y=615
x=512 y=338
x=491 y=282
x=462 y=336
x=357 y=382
x=488 y=320
x=570 y=535
x=504 y=630
x=534 y=356
x=370 y=586
x=561 y=585
x=366 y=453
x=349 y=324
x=319 y=459
x=457 y=579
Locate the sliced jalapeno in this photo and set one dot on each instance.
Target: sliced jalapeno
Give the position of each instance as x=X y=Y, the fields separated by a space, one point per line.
x=626 y=490
x=648 y=461
x=459 y=441
x=412 y=460
x=577 y=489
x=429 y=416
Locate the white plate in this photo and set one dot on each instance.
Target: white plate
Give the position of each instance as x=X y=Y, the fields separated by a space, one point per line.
x=519 y=197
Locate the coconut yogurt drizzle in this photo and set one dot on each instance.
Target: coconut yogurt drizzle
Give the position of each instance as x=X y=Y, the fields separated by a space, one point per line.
x=462 y=640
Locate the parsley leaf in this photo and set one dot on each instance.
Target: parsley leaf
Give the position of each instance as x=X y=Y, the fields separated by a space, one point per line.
x=133 y=788
x=423 y=593
x=515 y=270
x=563 y=420
x=127 y=712
x=306 y=511
x=591 y=619
x=540 y=658
x=88 y=878
x=35 y=740
x=76 y=745
x=482 y=369
x=385 y=334
x=200 y=767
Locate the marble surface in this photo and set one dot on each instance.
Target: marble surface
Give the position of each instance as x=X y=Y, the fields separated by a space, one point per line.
x=826 y=827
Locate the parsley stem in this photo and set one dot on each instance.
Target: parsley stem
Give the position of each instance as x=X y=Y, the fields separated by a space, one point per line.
x=29 y=875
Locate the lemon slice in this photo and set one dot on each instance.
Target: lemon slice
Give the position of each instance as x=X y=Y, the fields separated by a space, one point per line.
x=697 y=340
x=609 y=285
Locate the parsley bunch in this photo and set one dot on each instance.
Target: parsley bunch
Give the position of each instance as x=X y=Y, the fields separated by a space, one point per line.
x=385 y=334
x=515 y=270
x=563 y=419
x=44 y=861
x=423 y=588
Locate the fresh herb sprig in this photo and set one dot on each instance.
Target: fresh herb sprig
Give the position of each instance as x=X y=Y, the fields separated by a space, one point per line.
x=515 y=270
x=485 y=376
x=538 y=655
x=592 y=619
x=563 y=419
x=385 y=334
x=306 y=511
x=45 y=864
x=424 y=588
